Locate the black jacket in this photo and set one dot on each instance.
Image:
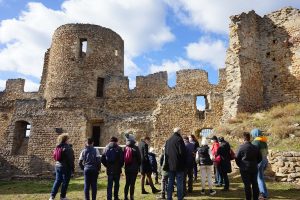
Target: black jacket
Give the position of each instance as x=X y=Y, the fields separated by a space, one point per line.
x=204 y=157
x=224 y=152
x=145 y=163
x=136 y=159
x=116 y=166
x=247 y=157
x=175 y=153
x=67 y=159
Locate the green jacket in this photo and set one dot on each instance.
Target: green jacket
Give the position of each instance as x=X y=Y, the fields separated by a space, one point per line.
x=261 y=143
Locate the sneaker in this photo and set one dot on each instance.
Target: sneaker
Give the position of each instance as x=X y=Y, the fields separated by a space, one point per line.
x=212 y=192
x=202 y=191
x=51 y=198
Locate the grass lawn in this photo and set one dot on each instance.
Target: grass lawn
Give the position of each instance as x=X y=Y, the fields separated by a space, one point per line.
x=40 y=189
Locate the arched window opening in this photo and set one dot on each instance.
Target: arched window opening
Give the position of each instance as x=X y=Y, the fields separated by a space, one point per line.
x=206 y=132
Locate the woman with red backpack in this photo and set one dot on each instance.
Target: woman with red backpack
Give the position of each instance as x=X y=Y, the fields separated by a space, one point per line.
x=132 y=159
x=63 y=155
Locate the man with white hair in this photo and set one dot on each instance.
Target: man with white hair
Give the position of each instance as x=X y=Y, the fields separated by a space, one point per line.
x=175 y=156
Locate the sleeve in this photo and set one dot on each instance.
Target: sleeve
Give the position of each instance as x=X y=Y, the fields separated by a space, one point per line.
x=197 y=157
x=182 y=149
x=81 y=160
x=238 y=157
x=139 y=161
x=121 y=157
x=103 y=158
x=259 y=156
x=98 y=159
x=70 y=158
x=210 y=154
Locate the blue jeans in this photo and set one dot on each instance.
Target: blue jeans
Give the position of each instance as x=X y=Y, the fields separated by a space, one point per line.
x=179 y=179
x=63 y=176
x=113 y=178
x=90 y=181
x=260 y=177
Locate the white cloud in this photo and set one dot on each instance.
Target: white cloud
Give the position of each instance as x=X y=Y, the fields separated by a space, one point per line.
x=209 y=51
x=213 y=15
x=171 y=66
x=141 y=24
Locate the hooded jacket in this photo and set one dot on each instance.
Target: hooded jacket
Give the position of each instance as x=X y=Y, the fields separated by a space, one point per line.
x=116 y=166
x=136 y=158
x=260 y=141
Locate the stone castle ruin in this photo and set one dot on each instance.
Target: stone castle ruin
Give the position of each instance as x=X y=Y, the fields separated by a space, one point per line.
x=84 y=92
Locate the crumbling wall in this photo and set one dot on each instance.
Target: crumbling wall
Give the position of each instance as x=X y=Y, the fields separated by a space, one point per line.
x=262 y=62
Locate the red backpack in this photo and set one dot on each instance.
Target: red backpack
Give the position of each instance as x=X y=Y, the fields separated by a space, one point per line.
x=128 y=155
x=57 y=153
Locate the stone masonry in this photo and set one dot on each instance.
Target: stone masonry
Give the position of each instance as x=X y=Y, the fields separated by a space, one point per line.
x=84 y=92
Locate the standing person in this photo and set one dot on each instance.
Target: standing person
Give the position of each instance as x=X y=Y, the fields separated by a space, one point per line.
x=153 y=163
x=194 y=140
x=132 y=158
x=113 y=160
x=261 y=142
x=175 y=157
x=64 y=166
x=189 y=164
x=164 y=175
x=146 y=166
x=248 y=156
x=225 y=162
x=214 y=150
x=89 y=161
x=204 y=158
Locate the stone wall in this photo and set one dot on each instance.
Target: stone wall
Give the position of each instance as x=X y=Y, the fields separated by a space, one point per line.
x=262 y=61
x=286 y=165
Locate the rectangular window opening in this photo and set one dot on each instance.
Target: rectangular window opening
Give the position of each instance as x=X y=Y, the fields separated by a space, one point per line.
x=202 y=105
x=100 y=87
x=83 y=47
x=27 y=132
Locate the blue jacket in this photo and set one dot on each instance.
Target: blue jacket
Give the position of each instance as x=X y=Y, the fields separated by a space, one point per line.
x=153 y=162
x=189 y=149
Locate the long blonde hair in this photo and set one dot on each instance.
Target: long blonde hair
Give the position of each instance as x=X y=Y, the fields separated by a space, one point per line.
x=63 y=138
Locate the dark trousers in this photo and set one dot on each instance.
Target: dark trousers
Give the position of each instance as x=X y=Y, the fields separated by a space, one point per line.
x=224 y=177
x=250 y=179
x=90 y=181
x=195 y=170
x=113 y=179
x=63 y=176
x=188 y=174
x=130 y=183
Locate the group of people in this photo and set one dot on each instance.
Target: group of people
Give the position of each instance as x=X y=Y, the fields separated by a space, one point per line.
x=179 y=161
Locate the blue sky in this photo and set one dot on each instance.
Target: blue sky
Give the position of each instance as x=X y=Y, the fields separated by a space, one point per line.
x=159 y=35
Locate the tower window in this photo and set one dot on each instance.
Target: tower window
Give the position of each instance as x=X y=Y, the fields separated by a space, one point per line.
x=27 y=131
x=83 y=47
x=100 y=87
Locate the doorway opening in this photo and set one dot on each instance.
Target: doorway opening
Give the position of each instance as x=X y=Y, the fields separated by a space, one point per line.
x=96 y=135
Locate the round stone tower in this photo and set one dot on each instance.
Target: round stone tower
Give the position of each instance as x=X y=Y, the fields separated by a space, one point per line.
x=81 y=57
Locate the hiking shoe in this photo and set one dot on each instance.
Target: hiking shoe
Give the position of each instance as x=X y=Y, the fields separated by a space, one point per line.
x=145 y=192
x=202 y=191
x=154 y=190
x=212 y=192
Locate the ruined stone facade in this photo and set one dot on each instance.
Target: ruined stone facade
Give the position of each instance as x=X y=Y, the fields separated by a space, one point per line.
x=84 y=92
